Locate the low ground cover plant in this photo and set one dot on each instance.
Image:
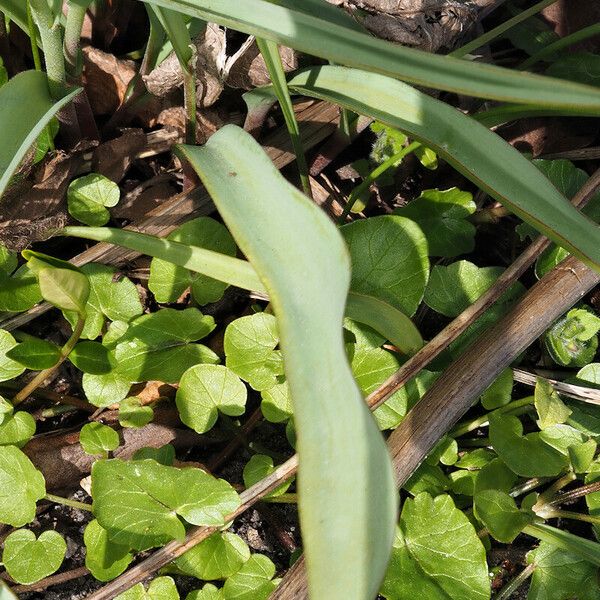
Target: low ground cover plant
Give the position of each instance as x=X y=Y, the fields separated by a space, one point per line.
x=242 y=404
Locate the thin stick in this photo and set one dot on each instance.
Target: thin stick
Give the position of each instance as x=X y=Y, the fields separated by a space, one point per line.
x=512 y=586
x=578 y=392
x=47 y=582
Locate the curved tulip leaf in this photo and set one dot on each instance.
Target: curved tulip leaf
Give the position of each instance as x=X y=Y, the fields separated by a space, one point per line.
x=347 y=494
x=381 y=316
x=22 y=122
x=318 y=33
x=480 y=155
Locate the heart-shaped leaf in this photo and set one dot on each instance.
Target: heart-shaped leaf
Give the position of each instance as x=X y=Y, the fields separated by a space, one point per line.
x=105 y=559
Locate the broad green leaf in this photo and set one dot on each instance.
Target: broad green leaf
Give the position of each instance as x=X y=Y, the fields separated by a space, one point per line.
x=19 y=292
x=572 y=443
x=158 y=346
x=28 y=559
x=105 y=559
x=21 y=486
x=500 y=514
x=110 y=298
x=561 y=575
x=429 y=479
x=550 y=408
x=475 y=459
x=531 y=35
x=64 y=288
x=104 y=390
x=442 y=215
x=276 y=404
x=9 y=369
x=462 y=482
x=91 y=357
x=257 y=468
x=35 y=354
x=290 y=26
x=305 y=267
x=593 y=500
x=454 y=288
x=25 y=120
x=208 y=592
x=253 y=581
x=161 y=588
x=437 y=554
x=572 y=340
x=133 y=414
x=500 y=392
x=389 y=260
x=495 y=166
x=527 y=455
x=218 y=557
x=88 y=196
x=206 y=390
x=139 y=502
x=582 y=547
x=582 y=67
x=17 y=429
x=250 y=353
x=495 y=476
x=445 y=451
x=168 y=281
x=96 y=438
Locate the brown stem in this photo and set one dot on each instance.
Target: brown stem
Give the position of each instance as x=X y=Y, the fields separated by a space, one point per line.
x=47 y=582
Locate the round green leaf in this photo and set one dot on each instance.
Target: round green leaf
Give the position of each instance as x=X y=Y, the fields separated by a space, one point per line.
x=9 y=369
x=250 y=344
x=258 y=467
x=28 y=559
x=96 y=438
x=133 y=414
x=105 y=559
x=389 y=260
x=161 y=588
x=6 y=409
x=276 y=404
x=139 y=502
x=253 y=581
x=17 y=429
x=499 y=513
x=500 y=392
x=219 y=556
x=104 y=390
x=21 y=485
x=35 y=354
x=91 y=357
x=64 y=288
x=208 y=592
x=87 y=196
x=437 y=554
x=204 y=390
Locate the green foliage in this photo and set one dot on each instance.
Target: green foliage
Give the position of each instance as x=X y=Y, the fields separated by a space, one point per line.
x=159 y=346
x=35 y=354
x=550 y=408
x=28 y=559
x=140 y=503
x=168 y=281
x=20 y=291
x=91 y=357
x=218 y=557
x=500 y=392
x=206 y=390
x=442 y=215
x=572 y=340
x=582 y=67
x=89 y=196
x=17 y=429
x=560 y=575
x=499 y=513
x=133 y=414
x=26 y=485
x=436 y=554
x=254 y=581
x=250 y=348
x=96 y=438
x=396 y=255
x=161 y=588
x=111 y=297
x=258 y=467
x=9 y=368
x=105 y=559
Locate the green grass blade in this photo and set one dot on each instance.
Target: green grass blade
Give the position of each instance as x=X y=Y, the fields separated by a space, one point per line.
x=270 y=54
x=482 y=156
x=25 y=109
x=394 y=325
x=587 y=549
x=348 y=500
x=321 y=36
